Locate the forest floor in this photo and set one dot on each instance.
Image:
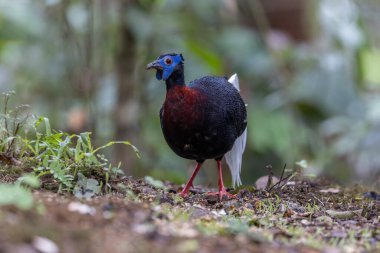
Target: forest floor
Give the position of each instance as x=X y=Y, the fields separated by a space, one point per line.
x=147 y=215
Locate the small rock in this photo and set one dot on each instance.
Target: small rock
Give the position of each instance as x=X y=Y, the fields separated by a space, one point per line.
x=44 y=245
x=231 y=204
x=190 y=245
x=166 y=199
x=157 y=208
x=108 y=207
x=186 y=231
x=338 y=233
x=81 y=208
x=23 y=248
x=325 y=219
x=144 y=228
x=249 y=205
x=212 y=199
x=256 y=237
x=282 y=208
x=219 y=213
x=295 y=207
x=349 y=223
x=372 y=195
x=108 y=211
x=330 y=249
x=199 y=212
x=172 y=190
x=141 y=216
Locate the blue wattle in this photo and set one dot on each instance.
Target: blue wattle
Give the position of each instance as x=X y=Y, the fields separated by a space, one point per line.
x=159 y=74
x=167 y=73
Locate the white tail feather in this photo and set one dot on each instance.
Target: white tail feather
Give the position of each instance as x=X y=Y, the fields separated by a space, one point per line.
x=235 y=155
x=234 y=80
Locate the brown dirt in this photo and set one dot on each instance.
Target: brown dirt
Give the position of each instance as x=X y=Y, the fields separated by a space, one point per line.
x=303 y=216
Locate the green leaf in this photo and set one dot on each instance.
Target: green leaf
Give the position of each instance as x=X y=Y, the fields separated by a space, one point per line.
x=15 y=195
x=29 y=180
x=45 y=161
x=303 y=164
x=155 y=183
x=7 y=140
x=370 y=65
x=78 y=152
x=86 y=188
x=275 y=131
x=47 y=124
x=62 y=146
x=210 y=58
x=29 y=147
x=118 y=142
x=86 y=141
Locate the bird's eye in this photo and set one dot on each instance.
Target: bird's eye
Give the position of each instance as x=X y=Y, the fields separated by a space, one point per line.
x=168 y=61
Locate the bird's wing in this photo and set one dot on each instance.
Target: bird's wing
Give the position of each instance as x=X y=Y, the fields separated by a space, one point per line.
x=161 y=115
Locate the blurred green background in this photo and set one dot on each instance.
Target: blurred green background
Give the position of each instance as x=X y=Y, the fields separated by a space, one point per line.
x=309 y=71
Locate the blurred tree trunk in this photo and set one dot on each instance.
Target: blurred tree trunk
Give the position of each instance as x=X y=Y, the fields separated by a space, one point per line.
x=289 y=16
x=126 y=110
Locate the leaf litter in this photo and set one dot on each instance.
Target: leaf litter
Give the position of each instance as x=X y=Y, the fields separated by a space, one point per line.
x=147 y=215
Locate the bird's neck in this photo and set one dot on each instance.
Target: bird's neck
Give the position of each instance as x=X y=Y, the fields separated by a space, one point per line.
x=176 y=79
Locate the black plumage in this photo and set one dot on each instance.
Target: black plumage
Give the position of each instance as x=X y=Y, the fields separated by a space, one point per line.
x=221 y=119
x=202 y=120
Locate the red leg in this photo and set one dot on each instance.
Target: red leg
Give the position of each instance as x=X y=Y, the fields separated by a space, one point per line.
x=189 y=184
x=222 y=190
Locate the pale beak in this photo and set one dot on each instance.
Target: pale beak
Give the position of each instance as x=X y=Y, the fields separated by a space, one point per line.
x=154 y=65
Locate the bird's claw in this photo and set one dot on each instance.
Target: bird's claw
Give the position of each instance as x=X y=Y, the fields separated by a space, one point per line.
x=222 y=193
x=183 y=193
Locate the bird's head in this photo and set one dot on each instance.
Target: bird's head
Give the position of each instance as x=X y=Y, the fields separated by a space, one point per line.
x=166 y=65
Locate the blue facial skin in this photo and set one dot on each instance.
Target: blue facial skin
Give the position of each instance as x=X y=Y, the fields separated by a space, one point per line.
x=167 y=69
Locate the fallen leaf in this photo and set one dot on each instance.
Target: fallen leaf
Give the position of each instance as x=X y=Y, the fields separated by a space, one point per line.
x=330 y=190
x=306 y=214
x=288 y=213
x=86 y=188
x=261 y=182
x=155 y=183
x=325 y=219
x=341 y=214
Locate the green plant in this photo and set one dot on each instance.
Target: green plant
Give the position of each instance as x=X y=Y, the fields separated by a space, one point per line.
x=63 y=156
x=12 y=122
x=52 y=154
x=18 y=194
x=269 y=206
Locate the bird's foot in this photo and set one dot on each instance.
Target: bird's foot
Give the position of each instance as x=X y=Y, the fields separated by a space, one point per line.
x=222 y=193
x=184 y=193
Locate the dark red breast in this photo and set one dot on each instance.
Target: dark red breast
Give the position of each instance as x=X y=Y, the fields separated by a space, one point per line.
x=181 y=108
x=201 y=121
